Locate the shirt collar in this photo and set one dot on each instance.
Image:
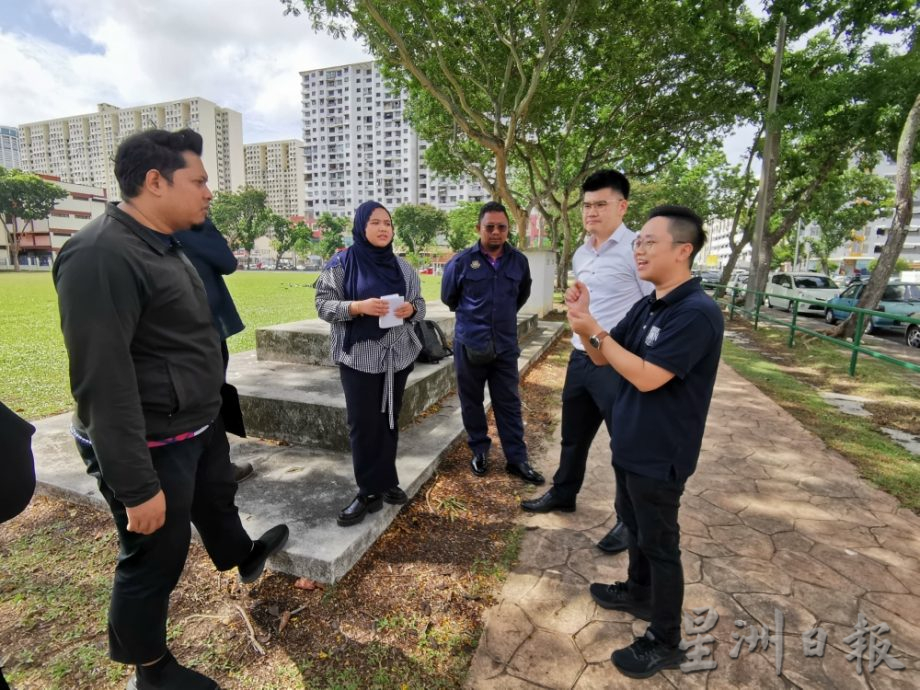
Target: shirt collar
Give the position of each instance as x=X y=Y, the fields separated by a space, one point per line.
x=682 y=291
x=505 y=250
x=619 y=235
x=142 y=231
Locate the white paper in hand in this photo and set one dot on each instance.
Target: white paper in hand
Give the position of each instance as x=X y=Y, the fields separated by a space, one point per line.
x=390 y=319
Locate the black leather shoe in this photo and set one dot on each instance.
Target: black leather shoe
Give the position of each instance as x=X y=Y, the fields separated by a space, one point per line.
x=479 y=464
x=395 y=496
x=646 y=656
x=616 y=539
x=169 y=673
x=242 y=472
x=525 y=472
x=617 y=597
x=547 y=503
x=358 y=508
x=262 y=548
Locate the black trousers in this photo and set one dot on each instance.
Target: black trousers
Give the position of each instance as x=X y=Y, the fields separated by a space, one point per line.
x=649 y=509
x=587 y=400
x=198 y=483
x=503 y=379
x=373 y=442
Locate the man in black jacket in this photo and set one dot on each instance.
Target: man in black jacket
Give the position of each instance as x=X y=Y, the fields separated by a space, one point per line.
x=145 y=371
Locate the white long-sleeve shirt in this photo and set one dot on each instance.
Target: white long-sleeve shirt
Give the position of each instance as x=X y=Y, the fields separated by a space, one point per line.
x=610 y=273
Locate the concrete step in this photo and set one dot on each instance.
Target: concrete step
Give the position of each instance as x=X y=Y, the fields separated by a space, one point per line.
x=289 y=392
x=307 y=342
x=302 y=486
x=304 y=404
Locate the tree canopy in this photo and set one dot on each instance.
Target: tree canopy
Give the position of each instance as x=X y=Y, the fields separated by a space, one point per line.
x=24 y=196
x=333 y=230
x=417 y=225
x=241 y=216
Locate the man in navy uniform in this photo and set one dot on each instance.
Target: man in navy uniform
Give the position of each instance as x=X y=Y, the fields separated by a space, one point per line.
x=605 y=264
x=486 y=285
x=666 y=349
x=212 y=257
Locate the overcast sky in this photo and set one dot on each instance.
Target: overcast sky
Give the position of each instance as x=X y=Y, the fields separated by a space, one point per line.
x=63 y=57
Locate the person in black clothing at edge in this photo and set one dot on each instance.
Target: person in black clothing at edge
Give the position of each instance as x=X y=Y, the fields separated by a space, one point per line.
x=18 y=468
x=486 y=285
x=211 y=255
x=605 y=264
x=146 y=374
x=666 y=349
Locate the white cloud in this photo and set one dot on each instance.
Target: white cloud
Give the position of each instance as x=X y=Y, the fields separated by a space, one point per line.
x=241 y=54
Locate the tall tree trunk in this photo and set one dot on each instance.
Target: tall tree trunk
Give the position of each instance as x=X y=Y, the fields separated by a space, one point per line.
x=14 y=243
x=894 y=243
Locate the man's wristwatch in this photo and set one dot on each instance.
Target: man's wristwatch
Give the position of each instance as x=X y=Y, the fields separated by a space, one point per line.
x=596 y=340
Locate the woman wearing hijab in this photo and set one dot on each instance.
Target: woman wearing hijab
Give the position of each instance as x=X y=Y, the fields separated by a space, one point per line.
x=374 y=362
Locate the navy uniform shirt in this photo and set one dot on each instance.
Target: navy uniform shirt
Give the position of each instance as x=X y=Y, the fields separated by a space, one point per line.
x=658 y=434
x=209 y=253
x=486 y=298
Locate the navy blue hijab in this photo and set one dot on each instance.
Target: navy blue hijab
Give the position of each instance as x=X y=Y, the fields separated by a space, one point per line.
x=369 y=272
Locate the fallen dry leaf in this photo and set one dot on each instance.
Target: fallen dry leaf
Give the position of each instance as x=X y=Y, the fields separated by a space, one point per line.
x=307 y=584
x=285 y=619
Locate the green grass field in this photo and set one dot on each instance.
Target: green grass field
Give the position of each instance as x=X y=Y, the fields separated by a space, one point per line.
x=33 y=361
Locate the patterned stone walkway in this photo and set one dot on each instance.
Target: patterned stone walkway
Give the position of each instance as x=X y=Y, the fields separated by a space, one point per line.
x=772 y=522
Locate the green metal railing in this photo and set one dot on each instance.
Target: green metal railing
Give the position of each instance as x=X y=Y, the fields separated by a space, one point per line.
x=856 y=347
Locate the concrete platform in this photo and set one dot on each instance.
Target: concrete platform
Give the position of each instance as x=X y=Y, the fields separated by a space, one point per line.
x=307 y=342
x=303 y=486
x=289 y=390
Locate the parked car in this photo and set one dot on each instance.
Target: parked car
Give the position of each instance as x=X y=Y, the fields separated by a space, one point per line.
x=912 y=334
x=814 y=286
x=899 y=299
x=740 y=281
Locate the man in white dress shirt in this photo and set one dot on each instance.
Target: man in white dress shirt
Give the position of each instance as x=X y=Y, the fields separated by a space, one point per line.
x=605 y=264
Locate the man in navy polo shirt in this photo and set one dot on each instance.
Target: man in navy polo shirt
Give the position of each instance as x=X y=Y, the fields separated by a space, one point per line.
x=486 y=285
x=667 y=350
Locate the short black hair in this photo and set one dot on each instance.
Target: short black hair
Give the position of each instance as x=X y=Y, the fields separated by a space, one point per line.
x=152 y=149
x=607 y=178
x=685 y=225
x=492 y=207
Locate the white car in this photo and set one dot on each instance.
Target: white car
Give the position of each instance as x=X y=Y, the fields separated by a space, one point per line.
x=812 y=286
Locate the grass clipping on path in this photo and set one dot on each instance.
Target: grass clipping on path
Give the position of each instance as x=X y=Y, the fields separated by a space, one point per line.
x=793 y=378
x=408 y=615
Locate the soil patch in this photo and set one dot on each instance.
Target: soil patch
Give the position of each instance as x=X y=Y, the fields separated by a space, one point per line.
x=408 y=615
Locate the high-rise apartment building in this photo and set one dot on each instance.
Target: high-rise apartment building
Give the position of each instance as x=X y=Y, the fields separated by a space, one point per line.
x=80 y=149
x=277 y=168
x=359 y=147
x=9 y=147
